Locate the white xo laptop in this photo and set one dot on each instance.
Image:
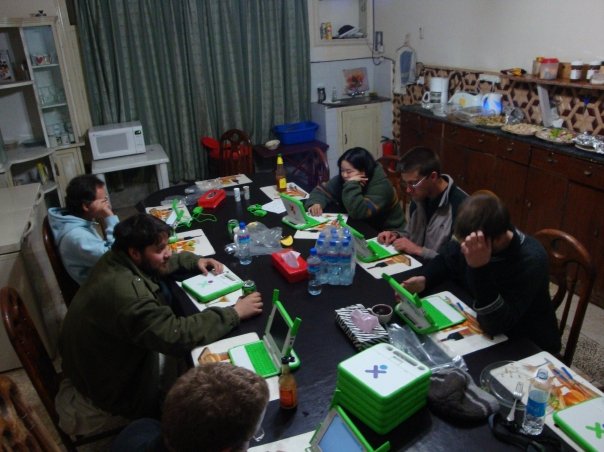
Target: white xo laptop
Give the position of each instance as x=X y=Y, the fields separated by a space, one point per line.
x=264 y=356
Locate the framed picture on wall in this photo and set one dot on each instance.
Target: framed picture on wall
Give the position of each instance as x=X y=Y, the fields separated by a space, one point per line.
x=355 y=80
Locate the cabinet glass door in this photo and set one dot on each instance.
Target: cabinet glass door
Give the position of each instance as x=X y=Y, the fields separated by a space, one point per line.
x=48 y=81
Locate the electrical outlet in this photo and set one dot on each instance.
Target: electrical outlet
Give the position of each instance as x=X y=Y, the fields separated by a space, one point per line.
x=489 y=78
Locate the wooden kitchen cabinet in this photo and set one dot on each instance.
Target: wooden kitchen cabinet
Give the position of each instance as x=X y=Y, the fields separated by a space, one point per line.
x=67 y=165
x=360 y=127
x=36 y=104
x=542 y=188
x=418 y=130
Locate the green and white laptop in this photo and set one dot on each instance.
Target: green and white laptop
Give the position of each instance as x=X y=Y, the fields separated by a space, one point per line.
x=424 y=316
x=584 y=423
x=296 y=215
x=337 y=433
x=264 y=356
x=367 y=251
x=209 y=287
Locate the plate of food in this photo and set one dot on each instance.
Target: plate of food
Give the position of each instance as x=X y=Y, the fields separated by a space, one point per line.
x=523 y=129
x=488 y=121
x=556 y=135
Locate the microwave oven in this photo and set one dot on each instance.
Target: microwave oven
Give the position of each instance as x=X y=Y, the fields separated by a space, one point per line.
x=116 y=140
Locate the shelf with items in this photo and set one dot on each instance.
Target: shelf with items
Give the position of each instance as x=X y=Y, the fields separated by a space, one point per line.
x=330 y=16
x=36 y=104
x=555 y=82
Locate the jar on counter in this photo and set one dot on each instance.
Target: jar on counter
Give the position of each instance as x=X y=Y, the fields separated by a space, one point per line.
x=549 y=68
x=594 y=66
x=576 y=70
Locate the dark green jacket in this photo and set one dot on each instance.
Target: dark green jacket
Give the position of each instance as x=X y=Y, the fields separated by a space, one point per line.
x=118 y=323
x=376 y=203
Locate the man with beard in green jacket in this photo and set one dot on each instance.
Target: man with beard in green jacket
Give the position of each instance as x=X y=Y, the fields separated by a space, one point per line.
x=119 y=323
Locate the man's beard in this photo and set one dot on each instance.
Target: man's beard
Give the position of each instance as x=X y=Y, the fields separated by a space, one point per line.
x=154 y=272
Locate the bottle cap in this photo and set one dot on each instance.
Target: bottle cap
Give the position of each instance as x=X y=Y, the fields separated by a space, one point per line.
x=313 y=251
x=241 y=224
x=542 y=374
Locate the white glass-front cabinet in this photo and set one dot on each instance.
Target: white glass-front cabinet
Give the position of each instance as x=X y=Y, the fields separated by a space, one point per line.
x=36 y=107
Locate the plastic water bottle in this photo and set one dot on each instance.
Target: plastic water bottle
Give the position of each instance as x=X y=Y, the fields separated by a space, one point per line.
x=333 y=264
x=346 y=274
x=243 y=240
x=534 y=414
x=314 y=269
x=321 y=247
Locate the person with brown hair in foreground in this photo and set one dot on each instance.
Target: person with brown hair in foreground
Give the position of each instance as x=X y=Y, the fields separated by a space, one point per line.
x=216 y=407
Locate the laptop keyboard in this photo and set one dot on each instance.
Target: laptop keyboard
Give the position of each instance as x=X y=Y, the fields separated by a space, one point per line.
x=263 y=364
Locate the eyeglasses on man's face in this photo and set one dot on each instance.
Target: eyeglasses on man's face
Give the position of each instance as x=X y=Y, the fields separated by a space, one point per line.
x=413 y=185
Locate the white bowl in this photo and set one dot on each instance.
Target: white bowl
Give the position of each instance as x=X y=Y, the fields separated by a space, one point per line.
x=272 y=144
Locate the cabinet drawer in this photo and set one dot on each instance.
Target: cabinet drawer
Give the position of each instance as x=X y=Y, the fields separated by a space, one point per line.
x=582 y=171
x=513 y=150
x=473 y=139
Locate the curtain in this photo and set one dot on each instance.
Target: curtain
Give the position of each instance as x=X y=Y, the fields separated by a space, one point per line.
x=192 y=68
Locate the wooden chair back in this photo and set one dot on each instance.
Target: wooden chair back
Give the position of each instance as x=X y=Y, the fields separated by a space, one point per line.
x=572 y=269
x=390 y=165
x=20 y=427
x=310 y=170
x=28 y=345
x=235 y=153
x=67 y=284
x=40 y=369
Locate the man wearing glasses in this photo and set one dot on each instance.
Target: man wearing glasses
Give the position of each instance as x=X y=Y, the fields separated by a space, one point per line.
x=74 y=227
x=435 y=200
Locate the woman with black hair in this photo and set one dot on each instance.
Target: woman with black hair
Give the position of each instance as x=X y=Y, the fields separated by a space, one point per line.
x=362 y=190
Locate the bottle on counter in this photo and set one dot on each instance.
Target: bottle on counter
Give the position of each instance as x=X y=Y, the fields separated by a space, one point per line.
x=576 y=70
x=534 y=414
x=321 y=96
x=288 y=388
x=594 y=67
x=243 y=245
x=334 y=94
x=280 y=175
x=314 y=273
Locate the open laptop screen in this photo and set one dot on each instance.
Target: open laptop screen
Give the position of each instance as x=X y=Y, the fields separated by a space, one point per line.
x=279 y=330
x=338 y=436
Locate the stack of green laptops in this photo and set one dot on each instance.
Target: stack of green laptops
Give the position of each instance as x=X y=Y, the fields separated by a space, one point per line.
x=382 y=386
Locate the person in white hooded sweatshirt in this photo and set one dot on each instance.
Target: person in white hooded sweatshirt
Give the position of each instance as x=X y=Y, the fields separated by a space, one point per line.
x=75 y=226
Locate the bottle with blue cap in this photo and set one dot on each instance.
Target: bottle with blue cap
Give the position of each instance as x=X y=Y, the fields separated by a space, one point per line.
x=243 y=245
x=536 y=406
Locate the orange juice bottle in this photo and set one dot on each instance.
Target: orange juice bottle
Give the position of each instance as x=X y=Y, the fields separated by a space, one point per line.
x=288 y=388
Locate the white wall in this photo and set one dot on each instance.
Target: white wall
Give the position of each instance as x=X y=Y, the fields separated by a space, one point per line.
x=23 y=8
x=493 y=34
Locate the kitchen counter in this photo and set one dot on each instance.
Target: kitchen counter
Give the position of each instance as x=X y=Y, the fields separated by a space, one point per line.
x=353 y=101
x=567 y=149
x=15 y=211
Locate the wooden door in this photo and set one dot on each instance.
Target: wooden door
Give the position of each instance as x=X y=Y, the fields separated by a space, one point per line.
x=360 y=127
x=480 y=171
x=544 y=201
x=509 y=184
x=453 y=162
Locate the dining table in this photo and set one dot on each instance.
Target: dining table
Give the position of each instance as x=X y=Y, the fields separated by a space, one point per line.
x=320 y=343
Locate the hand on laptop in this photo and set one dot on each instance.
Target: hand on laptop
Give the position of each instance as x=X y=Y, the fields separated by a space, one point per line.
x=249 y=306
x=315 y=210
x=415 y=284
x=405 y=245
x=387 y=237
x=207 y=265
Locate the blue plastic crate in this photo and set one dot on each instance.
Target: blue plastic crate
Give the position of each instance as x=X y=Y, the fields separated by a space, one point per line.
x=296 y=132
